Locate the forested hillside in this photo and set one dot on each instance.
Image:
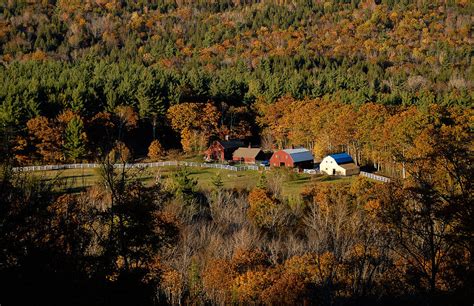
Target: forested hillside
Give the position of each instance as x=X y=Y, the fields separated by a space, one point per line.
x=391 y=82
x=118 y=66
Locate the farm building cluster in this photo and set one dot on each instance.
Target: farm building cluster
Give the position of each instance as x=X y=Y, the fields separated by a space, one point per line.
x=299 y=158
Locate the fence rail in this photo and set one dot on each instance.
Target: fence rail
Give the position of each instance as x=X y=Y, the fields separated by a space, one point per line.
x=137 y=165
x=375 y=177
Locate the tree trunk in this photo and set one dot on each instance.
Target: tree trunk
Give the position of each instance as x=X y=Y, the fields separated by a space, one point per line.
x=154 y=127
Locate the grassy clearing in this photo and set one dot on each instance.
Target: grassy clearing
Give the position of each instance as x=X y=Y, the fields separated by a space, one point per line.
x=82 y=178
x=78 y=179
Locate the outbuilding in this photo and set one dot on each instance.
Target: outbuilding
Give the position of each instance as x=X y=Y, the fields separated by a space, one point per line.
x=248 y=155
x=222 y=150
x=293 y=158
x=339 y=164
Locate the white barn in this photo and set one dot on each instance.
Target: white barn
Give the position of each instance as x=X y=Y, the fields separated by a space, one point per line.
x=339 y=164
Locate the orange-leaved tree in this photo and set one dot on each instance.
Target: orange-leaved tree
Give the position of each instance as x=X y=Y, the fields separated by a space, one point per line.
x=155 y=150
x=195 y=122
x=265 y=209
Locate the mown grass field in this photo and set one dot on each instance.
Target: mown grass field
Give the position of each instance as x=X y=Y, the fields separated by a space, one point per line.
x=78 y=179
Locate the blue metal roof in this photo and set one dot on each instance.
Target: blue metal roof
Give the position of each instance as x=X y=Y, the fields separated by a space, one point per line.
x=299 y=155
x=342 y=158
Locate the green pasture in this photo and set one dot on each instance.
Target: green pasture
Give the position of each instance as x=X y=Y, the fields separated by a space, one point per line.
x=79 y=179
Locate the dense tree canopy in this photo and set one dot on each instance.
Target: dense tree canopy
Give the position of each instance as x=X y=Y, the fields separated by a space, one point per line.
x=94 y=57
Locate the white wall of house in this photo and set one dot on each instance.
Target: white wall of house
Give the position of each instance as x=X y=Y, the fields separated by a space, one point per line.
x=330 y=166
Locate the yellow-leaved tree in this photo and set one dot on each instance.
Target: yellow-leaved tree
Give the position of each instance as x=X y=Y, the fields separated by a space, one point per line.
x=155 y=150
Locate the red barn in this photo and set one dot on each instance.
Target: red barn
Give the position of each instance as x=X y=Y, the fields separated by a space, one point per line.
x=299 y=158
x=222 y=150
x=248 y=155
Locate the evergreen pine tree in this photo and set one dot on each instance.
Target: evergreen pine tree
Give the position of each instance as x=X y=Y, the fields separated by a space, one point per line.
x=262 y=182
x=74 y=143
x=217 y=181
x=186 y=186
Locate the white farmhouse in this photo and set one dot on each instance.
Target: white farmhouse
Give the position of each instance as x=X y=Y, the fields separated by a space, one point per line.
x=339 y=164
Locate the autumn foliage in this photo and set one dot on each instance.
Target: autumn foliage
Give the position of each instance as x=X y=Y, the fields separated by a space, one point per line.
x=155 y=150
x=109 y=82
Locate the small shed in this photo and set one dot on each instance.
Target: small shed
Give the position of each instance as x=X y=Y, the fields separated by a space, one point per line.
x=339 y=164
x=299 y=158
x=248 y=155
x=222 y=150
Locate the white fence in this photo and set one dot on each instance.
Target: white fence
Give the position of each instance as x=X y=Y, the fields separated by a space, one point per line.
x=137 y=165
x=362 y=173
x=375 y=177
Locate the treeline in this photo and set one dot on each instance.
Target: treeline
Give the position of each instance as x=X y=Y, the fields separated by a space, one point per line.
x=381 y=138
x=120 y=242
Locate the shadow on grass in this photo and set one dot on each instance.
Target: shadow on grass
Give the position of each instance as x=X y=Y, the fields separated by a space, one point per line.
x=75 y=189
x=327 y=178
x=332 y=179
x=72 y=177
x=300 y=181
